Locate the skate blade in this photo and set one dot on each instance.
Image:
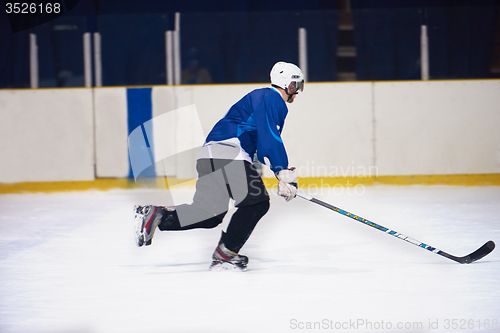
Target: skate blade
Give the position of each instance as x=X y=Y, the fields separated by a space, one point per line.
x=226 y=266
x=139 y=239
x=139 y=235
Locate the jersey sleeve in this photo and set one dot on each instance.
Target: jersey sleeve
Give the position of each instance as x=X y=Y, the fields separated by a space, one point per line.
x=270 y=147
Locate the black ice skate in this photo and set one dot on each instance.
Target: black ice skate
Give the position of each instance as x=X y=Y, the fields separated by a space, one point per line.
x=223 y=258
x=147 y=219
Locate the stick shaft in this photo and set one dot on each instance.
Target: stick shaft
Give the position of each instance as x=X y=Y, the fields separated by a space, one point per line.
x=372 y=224
x=476 y=255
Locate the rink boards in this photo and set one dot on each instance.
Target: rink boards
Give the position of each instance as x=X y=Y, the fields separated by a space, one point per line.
x=368 y=130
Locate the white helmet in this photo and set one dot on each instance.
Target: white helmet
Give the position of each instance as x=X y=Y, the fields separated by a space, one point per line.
x=286 y=75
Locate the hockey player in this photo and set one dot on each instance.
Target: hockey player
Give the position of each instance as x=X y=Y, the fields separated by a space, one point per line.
x=225 y=170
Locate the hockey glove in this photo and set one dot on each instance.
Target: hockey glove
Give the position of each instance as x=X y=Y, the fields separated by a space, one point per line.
x=287 y=186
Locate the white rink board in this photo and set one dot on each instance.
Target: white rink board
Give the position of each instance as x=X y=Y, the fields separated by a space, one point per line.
x=332 y=129
x=46 y=135
x=111 y=132
x=163 y=100
x=442 y=127
x=328 y=130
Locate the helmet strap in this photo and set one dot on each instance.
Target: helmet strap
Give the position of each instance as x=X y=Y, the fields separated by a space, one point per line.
x=286 y=91
x=290 y=95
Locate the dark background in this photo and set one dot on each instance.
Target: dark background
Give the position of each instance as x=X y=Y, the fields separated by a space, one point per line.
x=238 y=41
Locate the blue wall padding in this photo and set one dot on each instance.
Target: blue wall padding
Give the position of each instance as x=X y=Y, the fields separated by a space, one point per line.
x=140 y=108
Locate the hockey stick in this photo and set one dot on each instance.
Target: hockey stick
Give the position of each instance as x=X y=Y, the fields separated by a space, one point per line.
x=476 y=255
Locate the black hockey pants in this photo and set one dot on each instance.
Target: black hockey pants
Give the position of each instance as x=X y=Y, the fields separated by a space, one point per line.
x=218 y=181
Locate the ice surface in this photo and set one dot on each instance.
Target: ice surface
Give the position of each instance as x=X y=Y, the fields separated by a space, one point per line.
x=69 y=263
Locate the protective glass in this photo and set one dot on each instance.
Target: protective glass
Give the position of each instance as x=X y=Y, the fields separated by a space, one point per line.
x=296 y=86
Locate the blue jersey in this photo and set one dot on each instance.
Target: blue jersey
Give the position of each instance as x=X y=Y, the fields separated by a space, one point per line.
x=256 y=121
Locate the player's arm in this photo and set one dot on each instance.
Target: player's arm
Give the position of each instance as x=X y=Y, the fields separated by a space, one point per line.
x=270 y=148
x=271 y=151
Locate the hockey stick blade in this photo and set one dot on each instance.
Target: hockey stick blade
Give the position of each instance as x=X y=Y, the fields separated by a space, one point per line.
x=474 y=256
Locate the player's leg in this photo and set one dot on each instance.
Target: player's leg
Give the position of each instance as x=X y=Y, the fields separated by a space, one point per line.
x=210 y=201
x=243 y=223
x=210 y=204
x=250 y=209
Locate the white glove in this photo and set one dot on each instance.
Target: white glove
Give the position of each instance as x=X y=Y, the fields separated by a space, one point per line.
x=287 y=186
